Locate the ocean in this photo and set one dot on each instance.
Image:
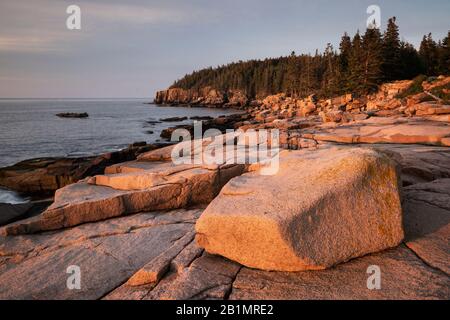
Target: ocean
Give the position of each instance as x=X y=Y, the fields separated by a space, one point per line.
x=30 y=128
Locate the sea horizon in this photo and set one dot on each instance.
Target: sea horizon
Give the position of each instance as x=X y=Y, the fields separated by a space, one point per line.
x=79 y=98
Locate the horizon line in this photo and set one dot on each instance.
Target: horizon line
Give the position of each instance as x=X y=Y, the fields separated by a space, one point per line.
x=72 y=98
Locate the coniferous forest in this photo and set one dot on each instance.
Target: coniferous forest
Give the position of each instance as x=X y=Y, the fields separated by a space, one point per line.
x=361 y=63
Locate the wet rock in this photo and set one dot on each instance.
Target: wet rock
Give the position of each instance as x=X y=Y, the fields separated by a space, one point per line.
x=174 y=119
x=10 y=212
x=221 y=123
x=73 y=115
x=201 y=118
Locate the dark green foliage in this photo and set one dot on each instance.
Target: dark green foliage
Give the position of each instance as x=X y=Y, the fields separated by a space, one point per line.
x=372 y=60
x=442 y=92
x=356 y=66
x=444 y=55
x=345 y=48
x=415 y=88
x=429 y=54
x=360 y=66
x=410 y=62
x=392 y=68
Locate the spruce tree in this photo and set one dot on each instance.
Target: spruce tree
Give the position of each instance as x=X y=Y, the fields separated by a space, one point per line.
x=361 y=64
x=372 y=61
x=356 y=70
x=307 y=75
x=345 y=48
x=410 y=63
x=444 y=56
x=429 y=55
x=293 y=75
x=391 y=52
x=330 y=71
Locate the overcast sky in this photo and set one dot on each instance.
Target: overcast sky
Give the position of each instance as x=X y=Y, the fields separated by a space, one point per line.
x=132 y=48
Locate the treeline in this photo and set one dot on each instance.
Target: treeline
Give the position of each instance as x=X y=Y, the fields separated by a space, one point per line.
x=360 y=65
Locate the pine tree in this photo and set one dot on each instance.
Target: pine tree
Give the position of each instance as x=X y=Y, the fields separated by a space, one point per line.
x=429 y=55
x=391 y=52
x=345 y=48
x=372 y=47
x=361 y=64
x=356 y=70
x=293 y=75
x=307 y=76
x=329 y=85
x=410 y=62
x=444 y=56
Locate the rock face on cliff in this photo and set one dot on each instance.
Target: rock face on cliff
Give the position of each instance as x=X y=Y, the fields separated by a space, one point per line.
x=320 y=209
x=206 y=96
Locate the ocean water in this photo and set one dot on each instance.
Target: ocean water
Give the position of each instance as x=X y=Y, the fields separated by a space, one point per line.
x=30 y=128
x=8 y=196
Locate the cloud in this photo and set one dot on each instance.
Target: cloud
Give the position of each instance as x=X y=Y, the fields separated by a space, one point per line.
x=26 y=43
x=138 y=14
x=31 y=26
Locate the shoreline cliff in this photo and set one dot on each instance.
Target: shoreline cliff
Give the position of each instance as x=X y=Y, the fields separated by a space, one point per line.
x=205 y=97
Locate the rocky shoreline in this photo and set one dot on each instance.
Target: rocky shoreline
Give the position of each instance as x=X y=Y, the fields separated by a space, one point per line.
x=38 y=179
x=362 y=181
x=204 y=97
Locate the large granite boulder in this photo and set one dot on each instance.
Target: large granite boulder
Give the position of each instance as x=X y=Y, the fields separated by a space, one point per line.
x=321 y=208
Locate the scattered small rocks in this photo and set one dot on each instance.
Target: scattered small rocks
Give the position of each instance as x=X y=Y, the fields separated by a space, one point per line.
x=174 y=119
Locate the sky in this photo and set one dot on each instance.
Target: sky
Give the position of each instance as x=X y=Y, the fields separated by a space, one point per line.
x=133 y=48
